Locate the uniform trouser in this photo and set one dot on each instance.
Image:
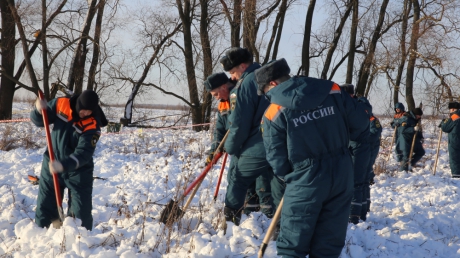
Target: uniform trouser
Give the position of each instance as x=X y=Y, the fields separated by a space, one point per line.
x=80 y=187
x=454 y=157
x=243 y=172
x=419 y=152
x=374 y=147
x=253 y=202
x=360 y=152
x=398 y=151
x=317 y=199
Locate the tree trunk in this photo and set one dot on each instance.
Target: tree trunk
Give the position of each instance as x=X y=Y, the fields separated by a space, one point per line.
x=402 y=46
x=77 y=68
x=306 y=38
x=8 y=56
x=96 y=47
x=369 y=59
x=185 y=15
x=353 y=31
x=249 y=34
x=333 y=45
x=25 y=47
x=207 y=60
x=281 y=14
x=235 y=22
x=412 y=57
x=46 y=68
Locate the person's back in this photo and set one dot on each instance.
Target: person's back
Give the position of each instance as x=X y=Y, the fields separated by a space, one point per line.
x=306 y=131
x=450 y=126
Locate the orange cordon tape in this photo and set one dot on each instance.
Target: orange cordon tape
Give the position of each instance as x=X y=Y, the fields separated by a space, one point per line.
x=15 y=120
x=147 y=129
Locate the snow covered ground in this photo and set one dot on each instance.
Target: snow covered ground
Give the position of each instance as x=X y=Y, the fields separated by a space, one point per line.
x=412 y=214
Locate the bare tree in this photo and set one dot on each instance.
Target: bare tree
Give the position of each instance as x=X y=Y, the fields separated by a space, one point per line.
x=7 y=47
x=234 y=20
x=306 y=39
x=352 y=47
x=77 y=68
x=369 y=59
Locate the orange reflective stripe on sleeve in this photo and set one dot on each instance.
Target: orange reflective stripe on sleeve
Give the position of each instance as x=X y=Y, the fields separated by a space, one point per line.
x=372 y=118
x=455 y=117
x=85 y=125
x=63 y=109
x=273 y=112
x=335 y=89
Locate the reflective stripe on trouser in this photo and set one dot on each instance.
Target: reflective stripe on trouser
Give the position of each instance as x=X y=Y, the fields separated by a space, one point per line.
x=242 y=173
x=314 y=218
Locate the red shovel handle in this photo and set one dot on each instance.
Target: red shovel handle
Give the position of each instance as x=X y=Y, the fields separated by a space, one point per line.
x=57 y=189
x=203 y=174
x=220 y=176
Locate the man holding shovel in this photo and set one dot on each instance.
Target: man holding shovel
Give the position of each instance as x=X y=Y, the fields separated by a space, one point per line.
x=396 y=125
x=77 y=122
x=306 y=132
x=244 y=141
x=219 y=86
x=411 y=139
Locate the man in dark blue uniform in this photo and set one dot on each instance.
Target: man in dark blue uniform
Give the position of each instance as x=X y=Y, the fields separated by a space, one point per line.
x=306 y=132
x=244 y=141
x=410 y=125
x=219 y=86
x=360 y=153
x=450 y=126
x=374 y=145
x=77 y=122
x=396 y=124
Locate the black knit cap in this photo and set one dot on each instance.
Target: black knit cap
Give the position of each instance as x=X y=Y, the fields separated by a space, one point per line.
x=234 y=57
x=215 y=80
x=418 y=111
x=349 y=88
x=454 y=104
x=88 y=100
x=270 y=72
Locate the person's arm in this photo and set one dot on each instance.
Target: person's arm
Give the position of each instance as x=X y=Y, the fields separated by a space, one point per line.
x=275 y=141
x=37 y=118
x=448 y=125
x=83 y=152
x=242 y=116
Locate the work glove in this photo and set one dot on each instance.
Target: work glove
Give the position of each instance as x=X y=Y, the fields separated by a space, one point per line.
x=40 y=105
x=416 y=128
x=209 y=158
x=55 y=167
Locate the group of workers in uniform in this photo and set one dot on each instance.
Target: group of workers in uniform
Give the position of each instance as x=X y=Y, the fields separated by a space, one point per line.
x=306 y=140
x=311 y=142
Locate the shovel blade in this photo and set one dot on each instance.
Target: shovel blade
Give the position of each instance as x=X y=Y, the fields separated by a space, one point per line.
x=171 y=213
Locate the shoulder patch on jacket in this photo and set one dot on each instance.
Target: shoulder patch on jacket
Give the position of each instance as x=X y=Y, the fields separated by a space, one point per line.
x=273 y=111
x=455 y=117
x=94 y=140
x=335 y=89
